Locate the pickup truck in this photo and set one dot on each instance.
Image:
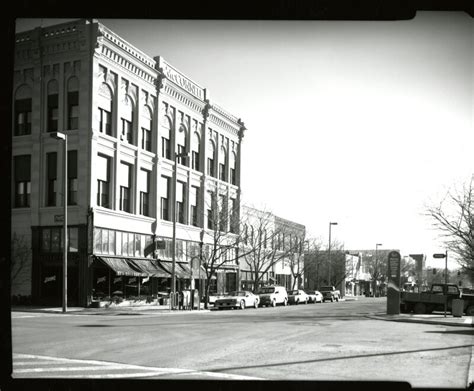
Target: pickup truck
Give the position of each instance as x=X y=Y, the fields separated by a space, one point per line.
x=434 y=299
x=330 y=293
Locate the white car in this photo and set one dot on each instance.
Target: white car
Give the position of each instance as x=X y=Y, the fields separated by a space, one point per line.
x=315 y=296
x=297 y=296
x=237 y=299
x=273 y=295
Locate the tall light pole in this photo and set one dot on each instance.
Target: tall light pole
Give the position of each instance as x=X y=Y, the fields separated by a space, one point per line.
x=63 y=137
x=329 y=252
x=173 y=246
x=376 y=266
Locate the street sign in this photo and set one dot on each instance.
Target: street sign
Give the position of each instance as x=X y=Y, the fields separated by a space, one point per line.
x=393 y=285
x=439 y=255
x=59 y=218
x=160 y=245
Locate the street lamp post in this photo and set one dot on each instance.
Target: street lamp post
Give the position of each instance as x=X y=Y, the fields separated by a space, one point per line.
x=201 y=243
x=376 y=267
x=173 y=248
x=63 y=137
x=329 y=253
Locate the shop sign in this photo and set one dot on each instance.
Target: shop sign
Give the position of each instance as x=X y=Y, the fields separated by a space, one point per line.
x=117 y=279
x=101 y=279
x=181 y=80
x=49 y=279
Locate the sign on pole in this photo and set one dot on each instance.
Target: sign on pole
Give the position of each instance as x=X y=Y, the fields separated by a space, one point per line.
x=439 y=255
x=393 y=286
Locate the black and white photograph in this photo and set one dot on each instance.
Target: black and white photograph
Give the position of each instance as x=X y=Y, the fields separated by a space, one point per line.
x=242 y=201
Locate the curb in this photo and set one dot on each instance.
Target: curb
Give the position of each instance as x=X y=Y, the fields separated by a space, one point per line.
x=424 y=321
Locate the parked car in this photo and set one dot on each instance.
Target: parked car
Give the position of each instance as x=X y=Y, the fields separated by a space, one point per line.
x=273 y=295
x=315 y=296
x=237 y=299
x=297 y=296
x=330 y=293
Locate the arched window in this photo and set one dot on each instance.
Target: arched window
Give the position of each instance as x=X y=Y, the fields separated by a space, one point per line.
x=181 y=144
x=196 y=148
x=127 y=120
x=233 y=159
x=105 y=109
x=146 y=122
x=52 y=106
x=22 y=110
x=73 y=103
x=223 y=164
x=211 y=152
x=165 y=132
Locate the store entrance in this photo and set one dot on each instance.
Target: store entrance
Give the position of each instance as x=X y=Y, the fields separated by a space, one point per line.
x=51 y=286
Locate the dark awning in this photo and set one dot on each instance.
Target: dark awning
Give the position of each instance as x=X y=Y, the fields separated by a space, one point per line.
x=149 y=266
x=168 y=266
x=186 y=269
x=122 y=267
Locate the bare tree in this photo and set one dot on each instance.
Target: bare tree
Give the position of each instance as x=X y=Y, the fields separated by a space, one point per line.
x=300 y=254
x=224 y=240
x=265 y=243
x=454 y=218
x=21 y=254
x=317 y=266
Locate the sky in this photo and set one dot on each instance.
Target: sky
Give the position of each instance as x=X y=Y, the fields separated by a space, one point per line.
x=362 y=123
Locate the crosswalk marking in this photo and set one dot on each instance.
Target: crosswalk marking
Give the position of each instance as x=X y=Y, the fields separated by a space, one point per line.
x=65 y=368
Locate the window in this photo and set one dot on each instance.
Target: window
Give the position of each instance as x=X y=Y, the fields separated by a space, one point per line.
x=72 y=177
x=105 y=121
x=22 y=117
x=144 y=188
x=22 y=178
x=233 y=216
x=194 y=205
x=165 y=139
x=232 y=169
x=125 y=186
x=105 y=110
x=146 y=129
x=210 y=160
x=103 y=181
x=223 y=214
x=127 y=120
x=195 y=155
x=146 y=139
x=73 y=104
x=22 y=111
x=181 y=145
x=164 y=195
x=211 y=205
x=52 y=107
x=51 y=176
x=223 y=165
x=52 y=239
x=180 y=201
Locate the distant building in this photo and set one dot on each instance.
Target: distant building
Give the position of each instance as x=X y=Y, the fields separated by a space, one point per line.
x=125 y=115
x=280 y=245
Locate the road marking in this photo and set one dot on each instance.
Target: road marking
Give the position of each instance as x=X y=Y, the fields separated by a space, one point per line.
x=96 y=365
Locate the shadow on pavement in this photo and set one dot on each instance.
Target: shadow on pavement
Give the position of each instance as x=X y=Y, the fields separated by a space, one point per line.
x=461 y=332
x=340 y=358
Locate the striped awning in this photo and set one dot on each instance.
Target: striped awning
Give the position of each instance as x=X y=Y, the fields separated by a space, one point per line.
x=149 y=266
x=168 y=267
x=122 y=267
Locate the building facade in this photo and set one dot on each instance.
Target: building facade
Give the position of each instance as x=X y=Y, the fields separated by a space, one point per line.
x=128 y=118
x=272 y=247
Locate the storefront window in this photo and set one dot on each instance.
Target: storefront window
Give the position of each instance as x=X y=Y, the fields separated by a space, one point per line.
x=46 y=240
x=55 y=239
x=118 y=243
x=138 y=245
x=73 y=239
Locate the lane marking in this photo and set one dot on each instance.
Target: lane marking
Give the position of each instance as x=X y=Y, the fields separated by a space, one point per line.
x=104 y=365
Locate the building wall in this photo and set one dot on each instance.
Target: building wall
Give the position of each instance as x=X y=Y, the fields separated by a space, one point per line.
x=108 y=70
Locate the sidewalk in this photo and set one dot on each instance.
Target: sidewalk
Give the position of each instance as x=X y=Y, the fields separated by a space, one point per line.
x=113 y=310
x=438 y=318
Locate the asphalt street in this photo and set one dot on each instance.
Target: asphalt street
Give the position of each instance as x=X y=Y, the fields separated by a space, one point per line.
x=328 y=341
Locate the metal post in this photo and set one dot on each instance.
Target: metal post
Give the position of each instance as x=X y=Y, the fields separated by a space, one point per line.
x=173 y=246
x=65 y=177
x=201 y=243
x=329 y=253
x=173 y=249
x=376 y=267
x=446 y=283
